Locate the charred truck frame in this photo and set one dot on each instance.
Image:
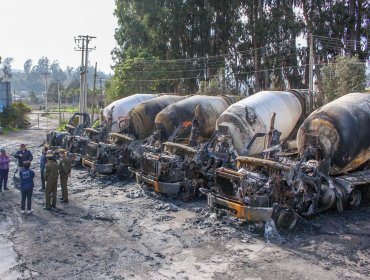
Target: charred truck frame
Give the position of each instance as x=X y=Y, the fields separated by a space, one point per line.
x=185 y=168
x=332 y=171
x=98 y=153
x=135 y=129
x=58 y=139
x=169 y=166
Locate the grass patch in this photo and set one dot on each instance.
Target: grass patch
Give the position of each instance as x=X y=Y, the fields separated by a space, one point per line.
x=7 y=130
x=62 y=126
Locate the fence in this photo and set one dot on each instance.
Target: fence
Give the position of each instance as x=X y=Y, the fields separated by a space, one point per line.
x=45 y=121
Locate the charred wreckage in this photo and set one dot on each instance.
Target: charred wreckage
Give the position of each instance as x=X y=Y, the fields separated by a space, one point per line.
x=265 y=156
x=331 y=170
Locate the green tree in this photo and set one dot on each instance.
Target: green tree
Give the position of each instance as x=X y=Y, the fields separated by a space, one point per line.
x=7 y=68
x=27 y=66
x=71 y=93
x=57 y=74
x=344 y=75
x=53 y=90
x=33 y=98
x=254 y=41
x=15 y=116
x=42 y=66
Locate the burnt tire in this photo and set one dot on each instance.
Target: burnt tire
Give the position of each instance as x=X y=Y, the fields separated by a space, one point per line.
x=355 y=198
x=286 y=219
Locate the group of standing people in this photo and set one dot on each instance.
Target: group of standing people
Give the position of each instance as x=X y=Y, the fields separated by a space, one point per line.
x=50 y=171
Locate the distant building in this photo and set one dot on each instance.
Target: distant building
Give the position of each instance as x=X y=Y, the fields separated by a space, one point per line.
x=5 y=94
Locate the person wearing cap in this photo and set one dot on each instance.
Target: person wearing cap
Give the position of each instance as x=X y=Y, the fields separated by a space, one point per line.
x=26 y=176
x=23 y=155
x=4 y=169
x=51 y=178
x=64 y=172
x=42 y=167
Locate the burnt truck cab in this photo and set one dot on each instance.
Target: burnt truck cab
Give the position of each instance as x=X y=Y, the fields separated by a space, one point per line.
x=56 y=139
x=99 y=155
x=282 y=189
x=174 y=171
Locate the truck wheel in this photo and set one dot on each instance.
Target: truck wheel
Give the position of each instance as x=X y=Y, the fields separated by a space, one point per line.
x=355 y=198
x=286 y=219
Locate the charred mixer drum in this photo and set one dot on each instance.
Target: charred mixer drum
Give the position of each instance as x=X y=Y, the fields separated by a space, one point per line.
x=121 y=107
x=141 y=118
x=341 y=130
x=183 y=112
x=253 y=115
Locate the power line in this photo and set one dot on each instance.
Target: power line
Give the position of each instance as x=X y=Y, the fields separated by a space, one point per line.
x=273 y=54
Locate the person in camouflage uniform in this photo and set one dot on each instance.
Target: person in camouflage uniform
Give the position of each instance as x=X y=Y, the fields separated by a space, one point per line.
x=51 y=178
x=64 y=172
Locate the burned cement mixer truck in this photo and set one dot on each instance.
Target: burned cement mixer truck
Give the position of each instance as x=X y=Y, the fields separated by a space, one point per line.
x=331 y=171
x=124 y=147
x=94 y=141
x=181 y=128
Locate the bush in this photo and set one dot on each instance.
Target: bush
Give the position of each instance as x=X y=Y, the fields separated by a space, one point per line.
x=345 y=75
x=15 y=116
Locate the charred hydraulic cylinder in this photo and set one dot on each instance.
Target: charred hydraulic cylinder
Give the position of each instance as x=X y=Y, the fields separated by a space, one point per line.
x=120 y=108
x=139 y=123
x=252 y=115
x=175 y=120
x=340 y=132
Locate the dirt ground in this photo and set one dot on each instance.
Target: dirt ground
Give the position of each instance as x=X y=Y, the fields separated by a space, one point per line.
x=114 y=229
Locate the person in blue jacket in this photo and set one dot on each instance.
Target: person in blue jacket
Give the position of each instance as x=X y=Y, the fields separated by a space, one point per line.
x=26 y=176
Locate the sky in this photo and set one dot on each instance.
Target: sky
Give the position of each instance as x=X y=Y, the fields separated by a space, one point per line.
x=30 y=29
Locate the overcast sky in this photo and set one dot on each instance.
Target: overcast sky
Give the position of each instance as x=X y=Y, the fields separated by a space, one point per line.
x=36 y=28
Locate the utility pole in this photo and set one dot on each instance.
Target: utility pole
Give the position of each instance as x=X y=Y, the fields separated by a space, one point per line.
x=46 y=74
x=84 y=48
x=310 y=71
x=60 y=120
x=94 y=92
x=101 y=93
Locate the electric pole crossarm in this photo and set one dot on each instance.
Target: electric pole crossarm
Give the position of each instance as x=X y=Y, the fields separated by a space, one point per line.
x=84 y=48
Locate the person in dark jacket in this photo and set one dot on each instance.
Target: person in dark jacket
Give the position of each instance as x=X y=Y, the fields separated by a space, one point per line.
x=4 y=169
x=42 y=167
x=26 y=176
x=51 y=178
x=64 y=172
x=23 y=155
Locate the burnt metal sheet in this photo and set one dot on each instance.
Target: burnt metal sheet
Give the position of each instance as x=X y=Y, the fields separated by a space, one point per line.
x=263 y=163
x=87 y=163
x=253 y=214
x=92 y=130
x=169 y=188
x=103 y=168
x=124 y=137
x=350 y=181
x=181 y=146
